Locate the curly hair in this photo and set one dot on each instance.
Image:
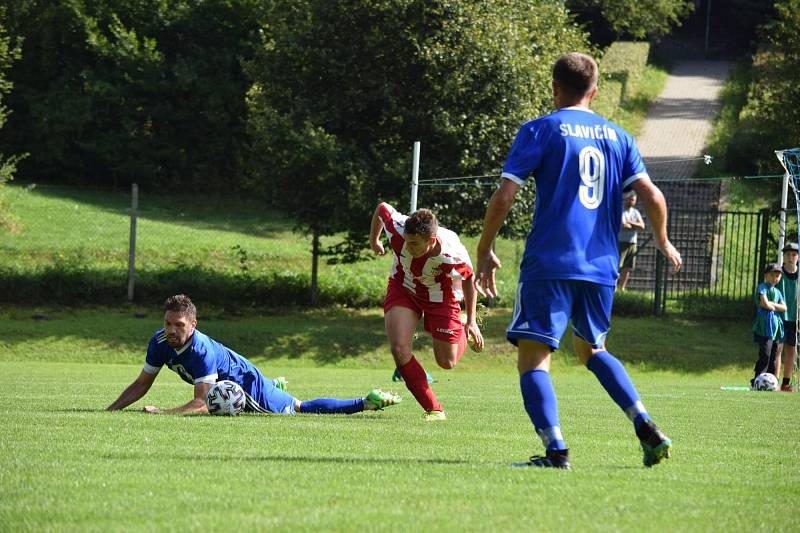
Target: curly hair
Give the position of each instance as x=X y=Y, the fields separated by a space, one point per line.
x=180 y=303
x=422 y=222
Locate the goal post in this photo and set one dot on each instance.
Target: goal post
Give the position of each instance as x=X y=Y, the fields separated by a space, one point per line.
x=790 y=160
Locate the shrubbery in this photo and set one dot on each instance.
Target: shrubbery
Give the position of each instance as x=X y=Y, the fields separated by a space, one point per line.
x=770 y=120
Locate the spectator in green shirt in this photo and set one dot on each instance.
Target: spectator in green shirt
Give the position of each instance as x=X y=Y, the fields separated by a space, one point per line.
x=768 y=326
x=788 y=287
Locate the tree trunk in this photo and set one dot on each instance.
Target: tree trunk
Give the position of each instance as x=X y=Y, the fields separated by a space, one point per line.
x=314 y=300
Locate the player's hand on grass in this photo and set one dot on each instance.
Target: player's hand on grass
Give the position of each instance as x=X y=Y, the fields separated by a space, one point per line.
x=487 y=266
x=377 y=247
x=152 y=409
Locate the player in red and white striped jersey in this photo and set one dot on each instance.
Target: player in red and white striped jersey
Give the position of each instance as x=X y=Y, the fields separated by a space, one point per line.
x=431 y=273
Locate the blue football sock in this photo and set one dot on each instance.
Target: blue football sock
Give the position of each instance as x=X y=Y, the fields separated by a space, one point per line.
x=542 y=407
x=618 y=384
x=332 y=406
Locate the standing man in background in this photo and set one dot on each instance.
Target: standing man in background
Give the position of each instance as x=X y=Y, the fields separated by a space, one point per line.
x=631 y=222
x=581 y=164
x=788 y=287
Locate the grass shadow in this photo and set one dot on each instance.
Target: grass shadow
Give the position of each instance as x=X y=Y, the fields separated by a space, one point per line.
x=292 y=459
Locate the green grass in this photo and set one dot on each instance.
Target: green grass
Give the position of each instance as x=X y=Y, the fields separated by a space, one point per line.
x=631 y=113
x=66 y=465
x=355 y=339
x=72 y=246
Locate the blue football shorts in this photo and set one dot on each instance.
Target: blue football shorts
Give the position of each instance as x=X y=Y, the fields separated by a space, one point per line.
x=543 y=308
x=264 y=397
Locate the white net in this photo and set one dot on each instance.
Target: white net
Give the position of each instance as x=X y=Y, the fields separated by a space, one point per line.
x=790 y=159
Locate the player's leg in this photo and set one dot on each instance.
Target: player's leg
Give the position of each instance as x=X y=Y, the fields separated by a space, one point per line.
x=764 y=349
x=538 y=322
x=374 y=400
x=591 y=322
x=444 y=324
x=790 y=349
x=624 y=266
x=263 y=396
x=622 y=282
x=774 y=350
x=400 y=324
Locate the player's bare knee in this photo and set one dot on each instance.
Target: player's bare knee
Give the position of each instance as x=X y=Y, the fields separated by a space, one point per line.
x=401 y=353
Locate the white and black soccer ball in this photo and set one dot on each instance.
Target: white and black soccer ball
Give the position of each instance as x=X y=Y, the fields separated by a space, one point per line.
x=225 y=398
x=765 y=382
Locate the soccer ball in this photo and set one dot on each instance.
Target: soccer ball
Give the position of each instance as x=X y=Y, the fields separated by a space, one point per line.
x=225 y=398
x=765 y=382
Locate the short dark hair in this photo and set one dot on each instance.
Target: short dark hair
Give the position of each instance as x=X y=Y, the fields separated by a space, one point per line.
x=575 y=74
x=180 y=303
x=422 y=222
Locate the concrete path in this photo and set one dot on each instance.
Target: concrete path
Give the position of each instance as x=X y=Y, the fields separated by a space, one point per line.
x=678 y=124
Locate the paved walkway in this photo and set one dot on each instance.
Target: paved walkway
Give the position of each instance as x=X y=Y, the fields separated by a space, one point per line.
x=678 y=124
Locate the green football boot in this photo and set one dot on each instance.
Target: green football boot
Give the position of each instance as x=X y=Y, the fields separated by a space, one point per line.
x=377 y=399
x=281 y=383
x=655 y=445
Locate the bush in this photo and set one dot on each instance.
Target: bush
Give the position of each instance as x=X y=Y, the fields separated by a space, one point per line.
x=770 y=120
x=8 y=54
x=625 y=62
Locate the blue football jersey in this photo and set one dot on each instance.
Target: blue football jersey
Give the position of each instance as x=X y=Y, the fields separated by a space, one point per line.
x=581 y=163
x=204 y=360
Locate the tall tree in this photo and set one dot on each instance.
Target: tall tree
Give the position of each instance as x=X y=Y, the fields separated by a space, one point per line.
x=637 y=19
x=770 y=120
x=9 y=53
x=343 y=89
x=150 y=91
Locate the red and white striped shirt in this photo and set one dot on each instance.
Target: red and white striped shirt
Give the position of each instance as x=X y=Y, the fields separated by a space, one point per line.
x=432 y=278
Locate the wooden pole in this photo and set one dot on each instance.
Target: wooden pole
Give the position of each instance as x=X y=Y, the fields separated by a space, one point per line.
x=132 y=246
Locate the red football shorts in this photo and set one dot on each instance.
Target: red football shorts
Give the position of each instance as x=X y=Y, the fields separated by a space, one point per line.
x=442 y=320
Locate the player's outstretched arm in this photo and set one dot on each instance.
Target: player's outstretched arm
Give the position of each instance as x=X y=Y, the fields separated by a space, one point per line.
x=196 y=405
x=470 y=306
x=496 y=213
x=656 y=207
x=375 y=228
x=133 y=392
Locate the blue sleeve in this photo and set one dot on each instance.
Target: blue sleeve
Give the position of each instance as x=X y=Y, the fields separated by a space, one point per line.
x=633 y=167
x=153 y=360
x=525 y=154
x=202 y=365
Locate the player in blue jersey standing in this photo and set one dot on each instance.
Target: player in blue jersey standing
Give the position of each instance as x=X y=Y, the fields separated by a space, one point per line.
x=581 y=164
x=201 y=361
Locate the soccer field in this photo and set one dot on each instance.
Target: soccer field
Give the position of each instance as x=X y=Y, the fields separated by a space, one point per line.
x=66 y=465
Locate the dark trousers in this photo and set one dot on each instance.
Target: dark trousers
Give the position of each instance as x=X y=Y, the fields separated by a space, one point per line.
x=768 y=350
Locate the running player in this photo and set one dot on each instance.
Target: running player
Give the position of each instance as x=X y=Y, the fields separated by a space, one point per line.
x=581 y=164
x=430 y=275
x=201 y=361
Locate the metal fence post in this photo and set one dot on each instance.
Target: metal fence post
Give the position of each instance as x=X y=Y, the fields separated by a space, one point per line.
x=132 y=244
x=659 y=281
x=762 y=255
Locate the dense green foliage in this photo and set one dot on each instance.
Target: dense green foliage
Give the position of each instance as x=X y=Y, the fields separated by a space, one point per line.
x=770 y=120
x=8 y=54
x=149 y=91
x=621 y=69
x=457 y=75
x=637 y=19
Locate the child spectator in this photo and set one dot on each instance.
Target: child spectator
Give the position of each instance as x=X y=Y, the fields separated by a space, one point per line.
x=768 y=326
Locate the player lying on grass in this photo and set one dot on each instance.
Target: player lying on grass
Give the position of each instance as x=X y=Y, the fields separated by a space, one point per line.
x=201 y=361
x=431 y=273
